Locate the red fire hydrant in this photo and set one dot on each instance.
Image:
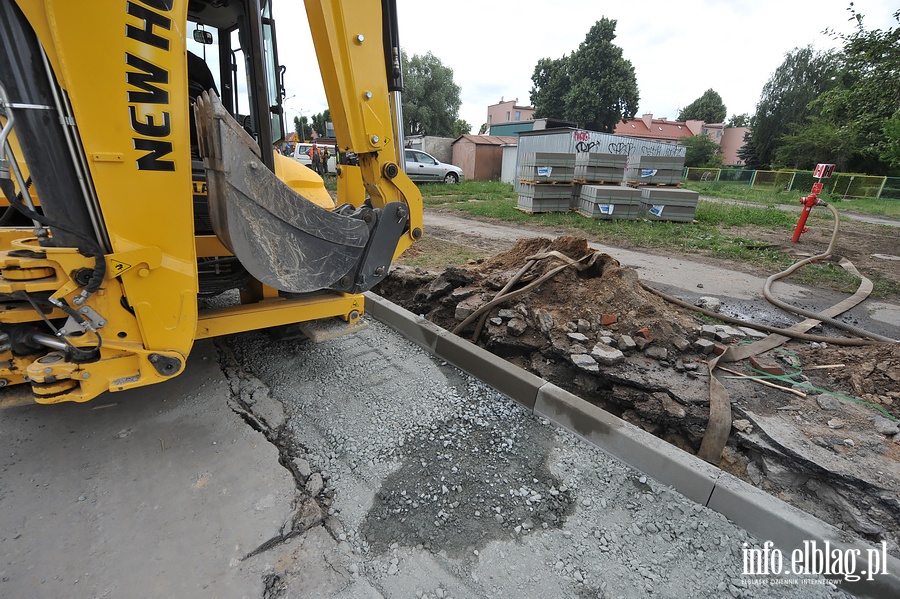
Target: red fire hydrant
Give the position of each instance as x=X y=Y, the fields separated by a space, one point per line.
x=808 y=202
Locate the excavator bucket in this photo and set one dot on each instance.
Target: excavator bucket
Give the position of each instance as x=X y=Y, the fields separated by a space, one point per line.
x=284 y=240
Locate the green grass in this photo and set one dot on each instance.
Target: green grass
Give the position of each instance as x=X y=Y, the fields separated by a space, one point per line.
x=741 y=191
x=701 y=236
x=465 y=191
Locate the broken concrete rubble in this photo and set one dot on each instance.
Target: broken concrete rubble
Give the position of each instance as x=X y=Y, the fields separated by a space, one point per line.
x=585 y=362
x=467 y=307
x=657 y=353
x=704 y=346
x=626 y=343
x=544 y=320
x=886 y=427
x=516 y=326
x=606 y=355
x=709 y=303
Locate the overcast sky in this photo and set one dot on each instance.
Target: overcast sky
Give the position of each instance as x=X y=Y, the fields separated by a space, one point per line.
x=678 y=49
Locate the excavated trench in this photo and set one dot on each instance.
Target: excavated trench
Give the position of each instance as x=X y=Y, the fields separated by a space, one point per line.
x=596 y=333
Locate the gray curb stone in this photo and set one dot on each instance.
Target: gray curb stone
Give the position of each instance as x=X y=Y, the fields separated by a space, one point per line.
x=762 y=515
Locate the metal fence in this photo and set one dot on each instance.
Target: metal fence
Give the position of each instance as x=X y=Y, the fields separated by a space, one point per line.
x=772 y=180
x=891 y=188
x=845 y=185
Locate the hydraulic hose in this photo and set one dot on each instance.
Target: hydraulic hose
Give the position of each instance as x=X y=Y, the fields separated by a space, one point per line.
x=759 y=327
x=10 y=211
x=767 y=288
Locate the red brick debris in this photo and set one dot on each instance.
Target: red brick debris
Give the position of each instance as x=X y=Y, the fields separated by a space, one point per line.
x=645 y=333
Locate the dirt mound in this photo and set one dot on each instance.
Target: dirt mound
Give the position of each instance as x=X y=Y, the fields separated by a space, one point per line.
x=516 y=256
x=601 y=297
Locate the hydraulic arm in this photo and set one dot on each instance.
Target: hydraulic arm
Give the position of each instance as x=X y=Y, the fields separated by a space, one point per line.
x=122 y=219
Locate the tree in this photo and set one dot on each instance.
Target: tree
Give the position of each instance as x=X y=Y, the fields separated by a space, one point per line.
x=431 y=98
x=603 y=85
x=301 y=127
x=319 y=120
x=818 y=140
x=483 y=129
x=594 y=86
x=461 y=127
x=785 y=100
x=868 y=98
x=738 y=120
x=708 y=108
x=701 y=151
x=551 y=86
x=747 y=152
x=891 y=130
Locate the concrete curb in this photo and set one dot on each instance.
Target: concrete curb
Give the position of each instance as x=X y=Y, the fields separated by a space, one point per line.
x=690 y=476
x=762 y=515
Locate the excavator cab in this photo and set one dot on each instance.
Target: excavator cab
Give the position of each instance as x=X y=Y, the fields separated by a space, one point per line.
x=136 y=146
x=232 y=50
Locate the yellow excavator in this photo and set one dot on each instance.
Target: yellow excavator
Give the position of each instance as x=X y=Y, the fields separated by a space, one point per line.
x=137 y=158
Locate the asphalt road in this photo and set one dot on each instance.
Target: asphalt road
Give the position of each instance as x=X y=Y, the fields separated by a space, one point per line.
x=157 y=492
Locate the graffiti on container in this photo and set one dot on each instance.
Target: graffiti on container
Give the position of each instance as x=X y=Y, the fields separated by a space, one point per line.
x=586 y=146
x=583 y=143
x=660 y=150
x=621 y=147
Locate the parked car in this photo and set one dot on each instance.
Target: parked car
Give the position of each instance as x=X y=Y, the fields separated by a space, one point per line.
x=423 y=167
x=301 y=155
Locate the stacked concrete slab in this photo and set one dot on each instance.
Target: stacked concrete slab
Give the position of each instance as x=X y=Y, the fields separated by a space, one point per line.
x=547 y=167
x=600 y=168
x=660 y=170
x=669 y=203
x=609 y=202
x=546 y=182
x=545 y=198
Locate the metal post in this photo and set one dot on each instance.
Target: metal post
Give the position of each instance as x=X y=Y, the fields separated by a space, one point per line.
x=848 y=186
x=881 y=188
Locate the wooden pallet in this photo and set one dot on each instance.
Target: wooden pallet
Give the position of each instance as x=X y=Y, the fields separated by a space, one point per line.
x=533 y=182
x=597 y=182
x=526 y=211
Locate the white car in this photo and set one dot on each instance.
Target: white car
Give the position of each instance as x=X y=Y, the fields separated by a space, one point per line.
x=423 y=167
x=301 y=155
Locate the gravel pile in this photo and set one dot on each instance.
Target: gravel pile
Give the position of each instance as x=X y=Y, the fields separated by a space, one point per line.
x=440 y=487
